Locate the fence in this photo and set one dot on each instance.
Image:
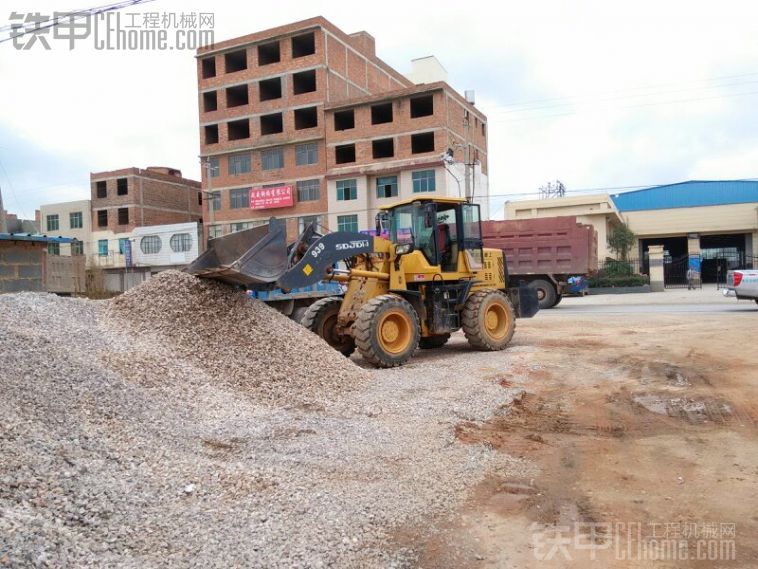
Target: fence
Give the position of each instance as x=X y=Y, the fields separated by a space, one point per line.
x=718 y=267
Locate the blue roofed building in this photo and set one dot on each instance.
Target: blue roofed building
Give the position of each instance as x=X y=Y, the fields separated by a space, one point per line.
x=717 y=219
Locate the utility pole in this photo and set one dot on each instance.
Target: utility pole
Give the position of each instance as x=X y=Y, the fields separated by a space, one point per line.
x=467 y=155
x=206 y=163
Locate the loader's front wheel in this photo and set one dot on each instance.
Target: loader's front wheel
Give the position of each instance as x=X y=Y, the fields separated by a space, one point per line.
x=387 y=331
x=321 y=318
x=488 y=320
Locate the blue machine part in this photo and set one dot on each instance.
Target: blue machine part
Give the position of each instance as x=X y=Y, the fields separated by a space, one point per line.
x=576 y=285
x=320 y=289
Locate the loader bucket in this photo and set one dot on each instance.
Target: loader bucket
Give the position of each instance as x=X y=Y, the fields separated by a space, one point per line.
x=254 y=258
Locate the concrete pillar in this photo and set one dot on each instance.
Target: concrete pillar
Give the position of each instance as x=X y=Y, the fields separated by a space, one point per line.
x=693 y=245
x=655 y=256
x=694 y=263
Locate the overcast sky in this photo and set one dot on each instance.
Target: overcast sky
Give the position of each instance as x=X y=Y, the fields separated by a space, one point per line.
x=597 y=94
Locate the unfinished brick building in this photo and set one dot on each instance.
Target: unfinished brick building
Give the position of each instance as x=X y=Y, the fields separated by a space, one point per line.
x=310 y=122
x=134 y=197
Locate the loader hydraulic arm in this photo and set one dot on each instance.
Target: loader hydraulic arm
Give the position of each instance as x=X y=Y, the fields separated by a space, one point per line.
x=322 y=254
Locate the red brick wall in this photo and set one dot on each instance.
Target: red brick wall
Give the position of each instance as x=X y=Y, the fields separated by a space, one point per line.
x=149 y=198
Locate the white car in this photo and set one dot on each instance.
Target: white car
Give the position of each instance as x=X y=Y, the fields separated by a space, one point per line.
x=742 y=284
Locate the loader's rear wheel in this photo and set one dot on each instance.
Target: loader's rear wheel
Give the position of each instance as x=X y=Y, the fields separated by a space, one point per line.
x=387 y=331
x=432 y=342
x=321 y=318
x=488 y=320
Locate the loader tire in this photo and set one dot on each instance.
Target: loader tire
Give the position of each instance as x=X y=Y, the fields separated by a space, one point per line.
x=387 y=331
x=432 y=342
x=298 y=313
x=321 y=319
x=489 y=320
x=546 y=293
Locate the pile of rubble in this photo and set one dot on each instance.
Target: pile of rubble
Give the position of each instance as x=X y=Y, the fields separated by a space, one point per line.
x=183 y=424
x=238 y=341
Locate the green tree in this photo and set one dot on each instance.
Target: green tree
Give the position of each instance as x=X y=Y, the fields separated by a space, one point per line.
x=621 y=241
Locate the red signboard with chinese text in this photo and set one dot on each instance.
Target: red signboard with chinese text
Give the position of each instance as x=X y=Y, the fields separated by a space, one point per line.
x=267 y=198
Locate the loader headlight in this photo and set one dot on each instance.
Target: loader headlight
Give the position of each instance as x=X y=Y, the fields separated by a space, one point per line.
x=404 y=249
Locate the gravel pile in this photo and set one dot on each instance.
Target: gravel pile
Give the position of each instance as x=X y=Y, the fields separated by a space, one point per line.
x=238 y=341
x=123 y=446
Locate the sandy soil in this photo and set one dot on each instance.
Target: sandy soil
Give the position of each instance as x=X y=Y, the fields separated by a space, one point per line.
x=642 y=433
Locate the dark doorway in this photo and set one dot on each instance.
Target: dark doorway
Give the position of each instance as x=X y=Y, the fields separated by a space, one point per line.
x=721 y=253
x=673 y=247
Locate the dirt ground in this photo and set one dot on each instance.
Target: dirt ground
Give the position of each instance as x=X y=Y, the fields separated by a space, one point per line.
x=642 y=432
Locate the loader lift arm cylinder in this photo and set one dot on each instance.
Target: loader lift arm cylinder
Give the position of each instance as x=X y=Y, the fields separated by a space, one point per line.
x=322 y=254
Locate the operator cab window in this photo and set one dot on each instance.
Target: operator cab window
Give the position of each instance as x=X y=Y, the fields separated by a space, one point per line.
x=447 y=237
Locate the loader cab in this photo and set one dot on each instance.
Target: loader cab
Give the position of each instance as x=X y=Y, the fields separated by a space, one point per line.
x=439 y=228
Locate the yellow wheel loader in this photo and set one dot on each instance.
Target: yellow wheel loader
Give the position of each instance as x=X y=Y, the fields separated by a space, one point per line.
x=424 y=275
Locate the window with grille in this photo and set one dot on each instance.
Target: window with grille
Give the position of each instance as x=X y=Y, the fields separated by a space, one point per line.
x=180 y=242
x=102 y=247
x=75 y=220
x=306 y=220
x=240 y=198
x=306 y=153
x=150 y=244
x=239 y=164
x=122 y=245
x=424 y=181
x=347 y=223
x=272 y=158
x=386 y=187
x=308 y=190
x=123 y=216
x=122 y=187
x=215 y=231
x=53 y=248
x=347 y=190
x=53 y=223
x=241 y=226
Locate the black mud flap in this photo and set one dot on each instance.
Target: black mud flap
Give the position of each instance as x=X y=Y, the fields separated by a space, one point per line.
x=528 y=303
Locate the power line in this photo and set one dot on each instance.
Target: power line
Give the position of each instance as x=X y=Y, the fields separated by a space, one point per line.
x=574 y=112
x=18 y=30
x=619 y=92
x=13 y=191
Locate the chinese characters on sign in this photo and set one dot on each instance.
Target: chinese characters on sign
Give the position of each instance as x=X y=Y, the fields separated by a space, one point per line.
x=268 y=198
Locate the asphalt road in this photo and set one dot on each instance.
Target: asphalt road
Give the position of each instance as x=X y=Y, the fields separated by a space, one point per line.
x=670 y=302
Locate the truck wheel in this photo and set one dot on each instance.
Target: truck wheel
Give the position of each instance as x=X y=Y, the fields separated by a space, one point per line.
x=321 y=319
x=488 y=320
x=432 y=342
x=298 y=313
x=545 y=293
x=387 y=331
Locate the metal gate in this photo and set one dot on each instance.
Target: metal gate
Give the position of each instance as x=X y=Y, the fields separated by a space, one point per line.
x=675 y=273
x=715 y=268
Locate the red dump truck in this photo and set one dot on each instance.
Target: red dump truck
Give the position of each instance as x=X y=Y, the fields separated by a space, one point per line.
x=544 y=252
